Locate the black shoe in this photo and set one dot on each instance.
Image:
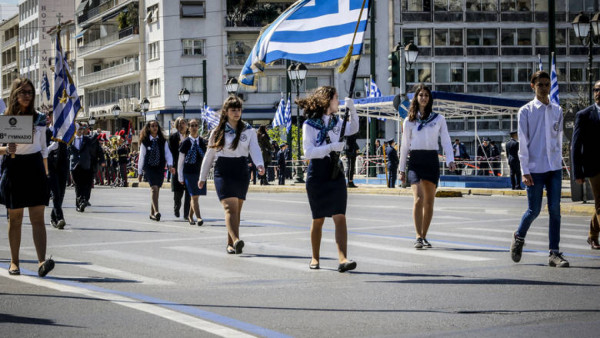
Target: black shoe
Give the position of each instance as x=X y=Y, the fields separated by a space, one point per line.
x=14 y=272
x=351 y=185
x=230 y=250
x=314 y=266
x=177 y=213
x=53 y=223
x=200 y=222
x=516 y=248
x=418 y=243
x=426 y=243
x=191 y=221
x=82 y=206
x=157 y=216
x=88 y=204
x=61 y=224
x=238 y=245
x=349 y=265
x=153 y=217
x=46 y=267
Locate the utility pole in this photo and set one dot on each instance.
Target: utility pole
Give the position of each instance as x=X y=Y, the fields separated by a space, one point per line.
x=551 y=31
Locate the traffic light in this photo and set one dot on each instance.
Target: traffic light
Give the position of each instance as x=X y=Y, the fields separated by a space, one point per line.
x=394 y=68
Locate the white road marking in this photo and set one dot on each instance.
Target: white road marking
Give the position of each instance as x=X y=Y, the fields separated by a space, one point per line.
x=534 y=233
x=502 y=239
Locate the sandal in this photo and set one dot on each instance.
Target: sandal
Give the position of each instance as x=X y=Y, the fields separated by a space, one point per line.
x=46 y=267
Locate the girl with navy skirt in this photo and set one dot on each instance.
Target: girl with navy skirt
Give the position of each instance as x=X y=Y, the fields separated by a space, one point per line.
x=327 y=197
x=191 y=153
x=230 y=143
x=154 y=154
x=24 y=182
x=422 y=130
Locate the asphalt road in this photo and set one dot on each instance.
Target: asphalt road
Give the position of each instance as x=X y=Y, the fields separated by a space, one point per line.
x=120 y=274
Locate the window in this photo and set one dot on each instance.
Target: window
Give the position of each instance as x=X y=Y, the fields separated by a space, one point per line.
x=448 y=5
x=577 y=71
x=482 y=5
x=192 y=47
x=542 y=5
x=420 y=37
x=542 y=38
x=192 y=9
x=448 y=37
x=420 y=72
x=482 y=72
x=193 y=83
x=366 y=48
x=271 y=84
x=153 y=51
x=516 y=37
x=515 y=5
x=152 y=13
x=416 y=5
x=154 y=87
x=576 y=6
x=517 y=72
x=449 y=73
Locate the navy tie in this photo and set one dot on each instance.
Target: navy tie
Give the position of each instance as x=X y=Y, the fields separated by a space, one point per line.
x=154 y=157
x=192 y=155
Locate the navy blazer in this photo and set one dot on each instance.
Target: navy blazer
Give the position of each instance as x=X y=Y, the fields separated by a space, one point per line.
x=86 y=156
x=392 y=157
x=585 y=145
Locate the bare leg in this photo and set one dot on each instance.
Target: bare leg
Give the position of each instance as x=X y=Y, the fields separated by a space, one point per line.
x=154 y=194
x=14 y=236
x=195 y=207
x=316 y=231
x=418 y=208
x=36 y=215
x=341 y=236
x=232 y=220
x=428 y=190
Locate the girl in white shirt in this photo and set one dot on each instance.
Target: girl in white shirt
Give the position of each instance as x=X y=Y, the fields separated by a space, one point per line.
x=230 y=143
x=191 y=152
x=327 y=196
x=24 y=179
x=422 y=130
x=154 y=154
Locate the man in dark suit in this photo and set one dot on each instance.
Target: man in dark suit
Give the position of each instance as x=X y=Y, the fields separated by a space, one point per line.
x=179 y=190
x=392 y=163
x=351 y=150
x=83 y=154
x=460 y=154
x=483 y=154
x=58 y=174
x=281 y=163
x=585 y=155
x=512 y=153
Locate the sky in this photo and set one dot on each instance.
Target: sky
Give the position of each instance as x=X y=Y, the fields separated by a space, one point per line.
x=14 y=2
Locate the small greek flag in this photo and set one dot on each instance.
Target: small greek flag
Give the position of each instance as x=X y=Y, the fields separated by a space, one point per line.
x=279 y=119
x=310 y=31
x=554 y=83
x=46 y=86
x=288 y=115
x=374 y=90
x=210 y=116
x=540 y=62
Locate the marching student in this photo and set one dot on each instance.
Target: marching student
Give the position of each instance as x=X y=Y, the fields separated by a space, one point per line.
x=327 y=196
x=154 y=154
x=422 y=130
x=24 y=182
x=190 y=155
x=230 y=143
x=58 y=175
x=83 y=153
x=179 y=190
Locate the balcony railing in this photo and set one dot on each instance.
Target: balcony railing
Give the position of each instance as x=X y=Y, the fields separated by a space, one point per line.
x=107 y=40
x=9 y=66
x=102 y=7
x=112 y=72
x=10 y=42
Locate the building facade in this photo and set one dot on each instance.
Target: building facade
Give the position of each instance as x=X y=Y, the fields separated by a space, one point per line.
x=9 y=32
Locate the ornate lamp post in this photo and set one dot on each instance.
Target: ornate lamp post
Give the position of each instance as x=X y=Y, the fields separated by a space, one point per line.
x=588 y=33
x=145 y=105
x=184 y=97
x=116 y=110
x=232 y=85
x=297 y=73
x=92 y=121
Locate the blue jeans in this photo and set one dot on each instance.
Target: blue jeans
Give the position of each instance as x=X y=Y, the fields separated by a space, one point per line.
x=552 y=180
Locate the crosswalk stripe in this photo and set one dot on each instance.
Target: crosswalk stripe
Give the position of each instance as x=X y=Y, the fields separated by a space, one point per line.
x=528 y=233
x=170 y=264
x=411 y=251
x=503 y=239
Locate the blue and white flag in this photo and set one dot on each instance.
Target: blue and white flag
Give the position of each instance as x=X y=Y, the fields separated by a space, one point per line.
x=554 y=83
x=310 y=31
x=66 y=101
x=541 y=66
x=288 y=115
x=210 y=116
x=279 y=119
x=45 y=88
x=374 y=90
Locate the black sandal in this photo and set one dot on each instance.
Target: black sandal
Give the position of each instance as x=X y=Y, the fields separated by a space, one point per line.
x=46 y=267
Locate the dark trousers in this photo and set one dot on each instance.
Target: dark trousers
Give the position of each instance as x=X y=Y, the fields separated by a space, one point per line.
x=515 y=176
x=123 y=171
x=351 y=168
x=270 y=173
x=58 y=183
x=281 y=174
x=392 y=177
x=595 y=222
x=484 y=168
x=179 y=192
x=83 y=180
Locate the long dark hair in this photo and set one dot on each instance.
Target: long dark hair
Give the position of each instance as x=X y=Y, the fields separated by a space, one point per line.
x=219 y=136
x=145 y=133
x=13 y=107
x=316 y=105
x=413 y=111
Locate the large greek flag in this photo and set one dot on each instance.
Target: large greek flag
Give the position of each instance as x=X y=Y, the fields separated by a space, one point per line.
x=66 y=101
x=554 y=83
x=310 y=31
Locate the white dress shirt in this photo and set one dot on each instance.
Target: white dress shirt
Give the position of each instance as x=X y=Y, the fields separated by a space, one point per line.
x=425 y=139
x=181 y=159
x=310 y=134
x=39 y=143
x=142 y=157
x=540 y=137
x=248 y=144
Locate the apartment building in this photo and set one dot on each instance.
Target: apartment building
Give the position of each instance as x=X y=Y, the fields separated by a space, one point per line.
x=9 y=32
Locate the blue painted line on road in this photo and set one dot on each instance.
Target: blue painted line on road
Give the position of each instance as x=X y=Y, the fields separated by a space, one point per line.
x=207 y=315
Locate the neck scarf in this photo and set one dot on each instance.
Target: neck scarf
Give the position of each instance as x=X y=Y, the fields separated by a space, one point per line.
x=230 y=130
x=423 y=123
x=318 y=123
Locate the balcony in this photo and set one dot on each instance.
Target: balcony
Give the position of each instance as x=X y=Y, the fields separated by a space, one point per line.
x=113 y=74
x=9 y=66
x=94 y=13
x=258 y=16
x=111 y=44
x=10 y=42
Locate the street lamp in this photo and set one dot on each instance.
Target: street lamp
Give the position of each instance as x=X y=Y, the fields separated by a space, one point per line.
x=232 y=85
x=116 y=110
x=145 y=105
x=184 y=96
x=411 y=52
x=588 y=33
x=92 y=121
x=297 y=73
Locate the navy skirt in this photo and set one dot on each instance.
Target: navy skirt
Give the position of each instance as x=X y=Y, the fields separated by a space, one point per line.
x=155 y=175
x=423 y=165
x=24 y=181
x=191 y=183
x=326 y=197
x=232 y=177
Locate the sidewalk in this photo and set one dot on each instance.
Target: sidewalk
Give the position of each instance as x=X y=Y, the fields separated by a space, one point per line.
x=567 y=208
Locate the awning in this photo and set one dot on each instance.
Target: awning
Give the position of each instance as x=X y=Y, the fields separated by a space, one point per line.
x=113 y=14
x=82 y=6
x=80 y=34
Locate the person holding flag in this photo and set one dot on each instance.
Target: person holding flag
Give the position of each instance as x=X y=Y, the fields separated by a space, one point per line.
x=327 y=196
